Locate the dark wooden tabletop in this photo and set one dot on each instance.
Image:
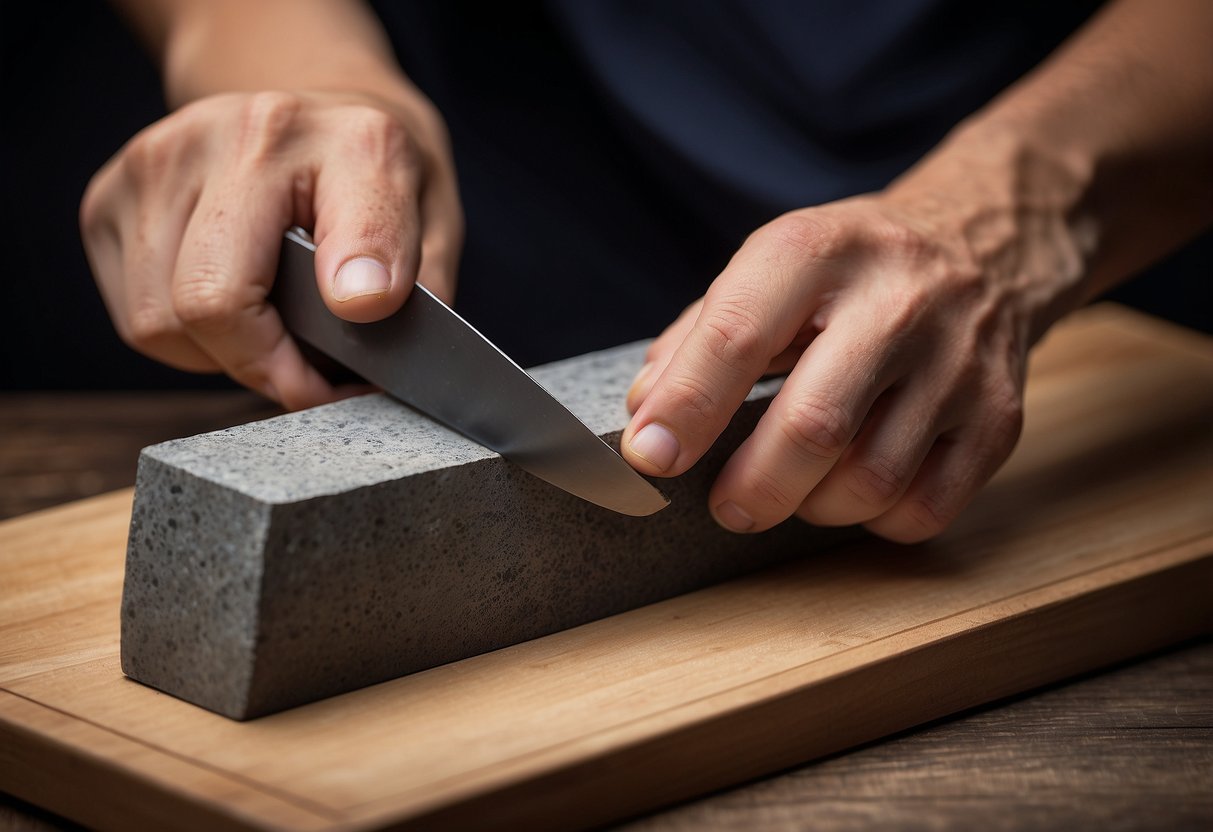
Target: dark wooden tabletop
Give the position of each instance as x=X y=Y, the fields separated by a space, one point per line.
x=1128 y=748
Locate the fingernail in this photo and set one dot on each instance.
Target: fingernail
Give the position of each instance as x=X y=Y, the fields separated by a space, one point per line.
x=656 y=444
x=360 y=277
x=733 y=517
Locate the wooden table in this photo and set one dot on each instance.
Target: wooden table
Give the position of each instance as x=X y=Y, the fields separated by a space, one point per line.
x=1128 y=748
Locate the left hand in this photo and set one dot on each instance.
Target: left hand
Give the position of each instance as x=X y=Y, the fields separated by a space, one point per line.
x=904 y=319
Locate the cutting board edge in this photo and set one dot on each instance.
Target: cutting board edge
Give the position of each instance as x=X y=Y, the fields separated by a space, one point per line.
x=1167 y=581
x=137 y=787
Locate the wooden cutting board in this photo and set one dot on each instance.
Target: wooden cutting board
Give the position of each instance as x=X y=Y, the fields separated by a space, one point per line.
x=1093 y=544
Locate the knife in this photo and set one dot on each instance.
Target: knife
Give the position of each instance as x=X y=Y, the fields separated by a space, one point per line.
x=431 y=359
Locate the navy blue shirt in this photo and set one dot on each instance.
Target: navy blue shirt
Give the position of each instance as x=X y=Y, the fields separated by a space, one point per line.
x=613 y=154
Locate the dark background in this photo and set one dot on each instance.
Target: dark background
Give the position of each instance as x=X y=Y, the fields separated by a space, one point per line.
x=75 y=85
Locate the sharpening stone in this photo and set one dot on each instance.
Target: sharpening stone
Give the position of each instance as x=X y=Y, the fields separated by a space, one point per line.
x=283 y=561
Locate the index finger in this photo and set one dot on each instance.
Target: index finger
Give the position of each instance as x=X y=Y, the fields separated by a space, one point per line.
x=224 y=270
x=751 y=314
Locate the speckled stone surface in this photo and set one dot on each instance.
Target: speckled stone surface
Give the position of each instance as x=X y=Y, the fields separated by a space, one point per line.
x=283 y=561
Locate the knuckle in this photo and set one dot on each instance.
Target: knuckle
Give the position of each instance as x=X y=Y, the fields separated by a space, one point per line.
x=166 y=147
x=904 y=310
x=818 y=430
x=147 y=325
x=151 y=153
x=687 y=395
x=808 y=234
x=733 y=334
x=266 y=120
x=874 y=481
x=379 y=135
x=769 y=491
x=903 y=241
x=928 y=515
x=963 y=276
x=203 y=301
x=249 y=370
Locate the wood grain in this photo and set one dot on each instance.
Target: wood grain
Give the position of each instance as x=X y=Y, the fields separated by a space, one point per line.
x=1101 y=511
x=1129 y=749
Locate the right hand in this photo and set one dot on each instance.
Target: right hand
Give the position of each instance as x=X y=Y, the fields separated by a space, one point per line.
x=184 y=225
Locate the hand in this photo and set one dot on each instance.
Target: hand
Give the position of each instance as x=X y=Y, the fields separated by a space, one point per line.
x=184 y=225
x=904 y=320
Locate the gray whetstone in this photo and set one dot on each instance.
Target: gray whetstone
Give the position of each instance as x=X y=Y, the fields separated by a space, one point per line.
x=283 y=561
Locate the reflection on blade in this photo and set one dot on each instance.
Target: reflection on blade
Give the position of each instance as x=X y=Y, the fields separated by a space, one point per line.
x=430 y=358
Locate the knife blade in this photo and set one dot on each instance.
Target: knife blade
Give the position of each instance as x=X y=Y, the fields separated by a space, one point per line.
x=433 y=360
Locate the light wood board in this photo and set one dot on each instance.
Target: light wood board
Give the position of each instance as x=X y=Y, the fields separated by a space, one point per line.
x=1095 y=543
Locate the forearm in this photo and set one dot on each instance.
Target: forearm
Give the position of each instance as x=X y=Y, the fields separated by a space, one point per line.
x=213 y=46
x=1114 y=131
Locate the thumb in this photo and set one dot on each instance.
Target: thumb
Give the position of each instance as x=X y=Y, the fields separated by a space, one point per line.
x=367 y=242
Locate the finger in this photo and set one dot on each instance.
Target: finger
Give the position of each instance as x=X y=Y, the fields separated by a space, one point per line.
x=659 y=353
x=367 y=219
x=149 y=258
x=786 y=360
x=774 y=285
x=959 y=464
x=807 y=427
x=658 y=356
x=224 y=270
x=131 y=240
x=879 y=465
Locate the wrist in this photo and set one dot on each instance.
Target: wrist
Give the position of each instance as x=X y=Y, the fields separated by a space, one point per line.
x=1013 y=208
x=361 y=75
x=221 y=46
